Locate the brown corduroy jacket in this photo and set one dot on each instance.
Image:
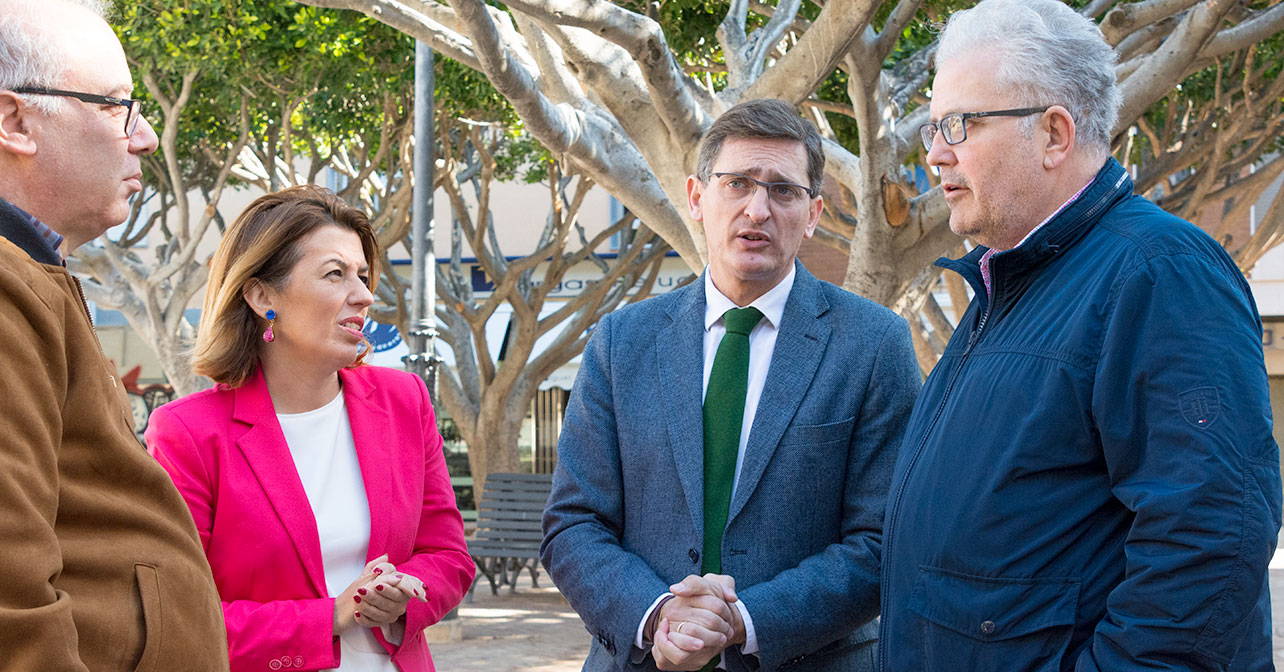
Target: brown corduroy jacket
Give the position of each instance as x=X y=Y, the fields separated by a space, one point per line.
x=100 y=564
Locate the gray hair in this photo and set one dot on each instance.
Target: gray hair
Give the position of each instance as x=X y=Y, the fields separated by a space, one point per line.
x=763 y=118
x=28 y=57
x=1049 y=54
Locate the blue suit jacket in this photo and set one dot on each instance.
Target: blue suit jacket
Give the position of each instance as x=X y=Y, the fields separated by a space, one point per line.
x=804 y=532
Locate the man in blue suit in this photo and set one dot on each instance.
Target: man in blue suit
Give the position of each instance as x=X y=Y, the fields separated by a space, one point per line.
x=684 y=544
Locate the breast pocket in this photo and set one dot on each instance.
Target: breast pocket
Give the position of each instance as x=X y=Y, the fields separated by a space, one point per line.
x=830 y=432
x=985 y=624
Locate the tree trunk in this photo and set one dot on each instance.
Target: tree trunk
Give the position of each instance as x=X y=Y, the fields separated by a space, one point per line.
x=492 y=446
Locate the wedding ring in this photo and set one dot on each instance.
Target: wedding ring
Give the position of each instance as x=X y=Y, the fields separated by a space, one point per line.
x=680 y=624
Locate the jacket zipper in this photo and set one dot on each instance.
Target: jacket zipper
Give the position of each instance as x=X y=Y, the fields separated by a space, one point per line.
x=918 y=450
x=84 y=306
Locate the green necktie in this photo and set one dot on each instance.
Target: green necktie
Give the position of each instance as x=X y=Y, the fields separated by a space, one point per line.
x=724 y=411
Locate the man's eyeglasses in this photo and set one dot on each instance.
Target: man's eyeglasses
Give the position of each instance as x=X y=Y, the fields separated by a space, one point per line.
x=953 y=127
x=134 y=106
x=738 y=187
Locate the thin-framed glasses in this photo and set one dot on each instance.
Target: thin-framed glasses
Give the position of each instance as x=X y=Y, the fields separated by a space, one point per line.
x=738 y=187
x=134 y=105
x=953 y=127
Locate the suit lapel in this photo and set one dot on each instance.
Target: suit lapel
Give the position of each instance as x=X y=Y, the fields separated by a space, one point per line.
x=800 y=344
x=369 y=432
x=264 y=448
x=680 y=353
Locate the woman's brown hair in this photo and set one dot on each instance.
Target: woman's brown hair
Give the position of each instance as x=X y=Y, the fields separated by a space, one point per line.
x=263 y=244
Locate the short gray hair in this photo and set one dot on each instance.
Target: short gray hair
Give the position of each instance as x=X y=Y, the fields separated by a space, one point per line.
x=763 y=118
x=28 y=57
x=1049 y=54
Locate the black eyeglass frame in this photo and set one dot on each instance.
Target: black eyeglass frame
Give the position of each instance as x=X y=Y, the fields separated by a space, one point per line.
x=767 y=185
x=927 y=132
x=134 y=105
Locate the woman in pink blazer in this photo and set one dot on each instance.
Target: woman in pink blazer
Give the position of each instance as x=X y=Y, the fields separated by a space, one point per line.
x=318 y=485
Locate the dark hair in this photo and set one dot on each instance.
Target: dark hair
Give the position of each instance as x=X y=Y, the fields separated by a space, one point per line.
x=263 y=245
x=763 y=118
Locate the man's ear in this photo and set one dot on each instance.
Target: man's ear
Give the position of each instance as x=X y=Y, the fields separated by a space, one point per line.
x=695 y=191
x=1059 y=126
x=258 y=296
x=17 y=119
x=813 y=215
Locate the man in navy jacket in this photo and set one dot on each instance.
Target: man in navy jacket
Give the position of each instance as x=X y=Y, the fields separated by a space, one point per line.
x=1088 y=480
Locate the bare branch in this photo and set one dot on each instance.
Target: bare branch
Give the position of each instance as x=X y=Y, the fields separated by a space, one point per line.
x=1255 y=29
x=765 y=39
x=417 y=24
x=1162 y=69
x=796 y=75
x=1127 y=17
x=900 y=17
x=644 y=41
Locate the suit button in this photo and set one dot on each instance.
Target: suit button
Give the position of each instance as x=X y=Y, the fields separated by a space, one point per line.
x=298 y=661
x=694 y=555
x=987 y=627
x=274 y=664
x=286 y=661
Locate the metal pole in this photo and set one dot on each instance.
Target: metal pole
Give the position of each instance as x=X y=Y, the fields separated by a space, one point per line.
x=422 y=359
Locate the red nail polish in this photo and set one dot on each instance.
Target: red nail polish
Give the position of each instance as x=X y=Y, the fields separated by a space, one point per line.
x=379 y=587
x=377 y=571
x=361 y=591
x=356 y=598
x=356 y=614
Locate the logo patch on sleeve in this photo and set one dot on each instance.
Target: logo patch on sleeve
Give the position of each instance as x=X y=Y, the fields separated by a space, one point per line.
x=1200 y=406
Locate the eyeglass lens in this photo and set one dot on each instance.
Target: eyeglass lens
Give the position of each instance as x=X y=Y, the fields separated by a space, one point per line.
x=953 y=129
x=132 y=118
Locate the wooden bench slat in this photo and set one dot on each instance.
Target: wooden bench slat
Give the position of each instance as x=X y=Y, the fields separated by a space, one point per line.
x=519 y=478
x=509 y=527
x=504 y=550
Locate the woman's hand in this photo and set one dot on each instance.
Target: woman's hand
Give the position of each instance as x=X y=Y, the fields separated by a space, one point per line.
x=345 y=603
x=385 y=596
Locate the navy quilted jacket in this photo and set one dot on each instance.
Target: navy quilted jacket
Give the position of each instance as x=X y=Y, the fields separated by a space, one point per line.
x=1089 y=480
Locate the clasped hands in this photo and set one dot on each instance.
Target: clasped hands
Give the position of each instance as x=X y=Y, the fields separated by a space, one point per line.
x=378 y=599
x=698 y=623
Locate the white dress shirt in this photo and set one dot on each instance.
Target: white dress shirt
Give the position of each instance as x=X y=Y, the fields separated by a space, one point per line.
x=762 y=345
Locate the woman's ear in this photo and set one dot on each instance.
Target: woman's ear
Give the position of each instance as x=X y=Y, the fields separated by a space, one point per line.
x=259 y=296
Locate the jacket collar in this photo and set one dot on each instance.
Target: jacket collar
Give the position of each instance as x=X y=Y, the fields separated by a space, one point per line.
x=1111 y=185
x=800 y=342
x=16 y=228
x=263 y=445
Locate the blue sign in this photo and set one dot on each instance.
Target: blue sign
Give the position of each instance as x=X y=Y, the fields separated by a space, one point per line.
x=382 y=337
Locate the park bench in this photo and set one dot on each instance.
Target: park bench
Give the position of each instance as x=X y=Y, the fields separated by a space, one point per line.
x=508 y=529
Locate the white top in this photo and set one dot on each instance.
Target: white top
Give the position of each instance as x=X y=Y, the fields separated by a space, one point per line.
x=762 y=345
x=325 y=456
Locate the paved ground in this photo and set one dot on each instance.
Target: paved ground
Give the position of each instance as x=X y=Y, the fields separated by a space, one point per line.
x=534 y=630
x=531 y=630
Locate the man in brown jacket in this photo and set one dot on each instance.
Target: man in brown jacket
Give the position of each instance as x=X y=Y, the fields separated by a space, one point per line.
x=100 y=565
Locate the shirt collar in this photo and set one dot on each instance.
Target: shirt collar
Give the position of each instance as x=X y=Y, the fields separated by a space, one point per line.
x=49 y=239
x=771 y=304
x=990 y=253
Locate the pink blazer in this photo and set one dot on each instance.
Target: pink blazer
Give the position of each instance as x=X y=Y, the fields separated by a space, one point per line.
x=226 y=453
